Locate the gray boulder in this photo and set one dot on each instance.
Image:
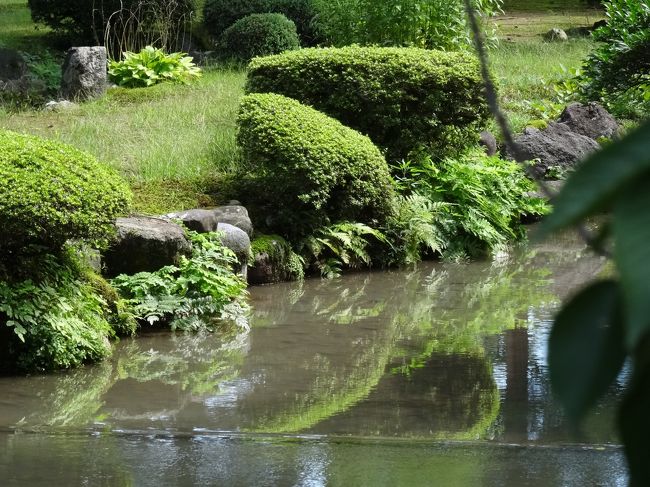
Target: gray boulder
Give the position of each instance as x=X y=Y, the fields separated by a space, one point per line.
x=489 y=143
x=590 y=120
x=556 y=147
x=238 y=241
x=12 y=65
x=60 y=106
x=201 y=221
x=84 y=73
x=145 y=244
x=235 y=215
x=556 y=35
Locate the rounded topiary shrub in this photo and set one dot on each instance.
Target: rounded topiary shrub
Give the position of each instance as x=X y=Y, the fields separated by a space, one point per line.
x=218 y=15
x=259 y=35
x=51 y=192
x=307 y=169
x=402 y=98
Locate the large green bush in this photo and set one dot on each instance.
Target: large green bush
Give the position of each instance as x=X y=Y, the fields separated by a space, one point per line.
x=85 y=21
x=403 y=99
x=218 y=15
x=431 y=24
x=306 y=169
x=618 y=72
x=51 y=192
x=259 y=35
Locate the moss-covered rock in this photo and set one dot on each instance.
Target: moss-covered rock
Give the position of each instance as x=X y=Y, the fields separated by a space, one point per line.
x=274 y=261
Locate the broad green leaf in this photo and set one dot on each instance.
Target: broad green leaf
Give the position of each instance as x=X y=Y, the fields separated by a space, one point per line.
x=586 y=349
x=631 y=230
x=634 y=423
x=592 y=187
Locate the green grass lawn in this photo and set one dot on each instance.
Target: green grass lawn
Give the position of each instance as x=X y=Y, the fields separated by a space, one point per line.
x=173 y=142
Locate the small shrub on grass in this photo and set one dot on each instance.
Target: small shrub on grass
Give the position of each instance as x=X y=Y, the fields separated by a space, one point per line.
x=307 y=169
x=218 y=15
x=51 y=192
x=151 y=66
x=192 y=296
x=403 y=99
x=480 y=201
x=259 y=35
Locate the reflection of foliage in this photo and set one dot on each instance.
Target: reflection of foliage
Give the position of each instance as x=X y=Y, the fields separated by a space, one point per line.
x=194 y=362
x=437 y=318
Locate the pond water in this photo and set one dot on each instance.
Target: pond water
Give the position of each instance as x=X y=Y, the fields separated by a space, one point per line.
x=433 y=376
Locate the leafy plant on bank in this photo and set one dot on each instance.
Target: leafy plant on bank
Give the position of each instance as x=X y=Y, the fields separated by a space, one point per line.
x=151 y=66
x=608 y=322
x=192 y=296
x=417 y=227
x=340 y=245
x=51 y=316
x=484 y=200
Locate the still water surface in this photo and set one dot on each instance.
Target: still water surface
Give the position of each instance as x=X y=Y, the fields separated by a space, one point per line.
x=433 y=376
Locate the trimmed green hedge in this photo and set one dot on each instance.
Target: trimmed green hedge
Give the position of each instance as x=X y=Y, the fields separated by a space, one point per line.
x=51 y=192
x=308 y=169
x=218 y=15
x=259 y=35
x=403 y=98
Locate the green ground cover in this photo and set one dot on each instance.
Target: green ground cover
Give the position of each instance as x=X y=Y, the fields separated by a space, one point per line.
x=173 y=143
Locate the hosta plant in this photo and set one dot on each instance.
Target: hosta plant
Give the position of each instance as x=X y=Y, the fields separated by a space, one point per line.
x=151 y=66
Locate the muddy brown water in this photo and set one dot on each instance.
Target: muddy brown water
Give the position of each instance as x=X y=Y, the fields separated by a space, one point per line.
x=432 y=376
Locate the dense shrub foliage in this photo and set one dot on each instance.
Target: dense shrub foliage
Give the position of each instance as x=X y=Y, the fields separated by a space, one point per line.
x=403 y=99
x=307 y=169
x=51 y=192
x=86 y=21
x=476 y=201
x=619 y=69
x=51 y=317
x=431 y=24
x=218 y=15
x=259 y=35
x=192 y=296
x=151 y=66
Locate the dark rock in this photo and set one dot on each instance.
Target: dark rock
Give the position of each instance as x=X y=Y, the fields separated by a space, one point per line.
x=235 y=215
x=579 y=31
x=84 y=73
x=489 y=143
x=12 y=65
x=599 y=24
x=238 y=241
x=201 y=221
x=556 y=35
x=145 y=244
x=590 y=120
x=556 y=147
